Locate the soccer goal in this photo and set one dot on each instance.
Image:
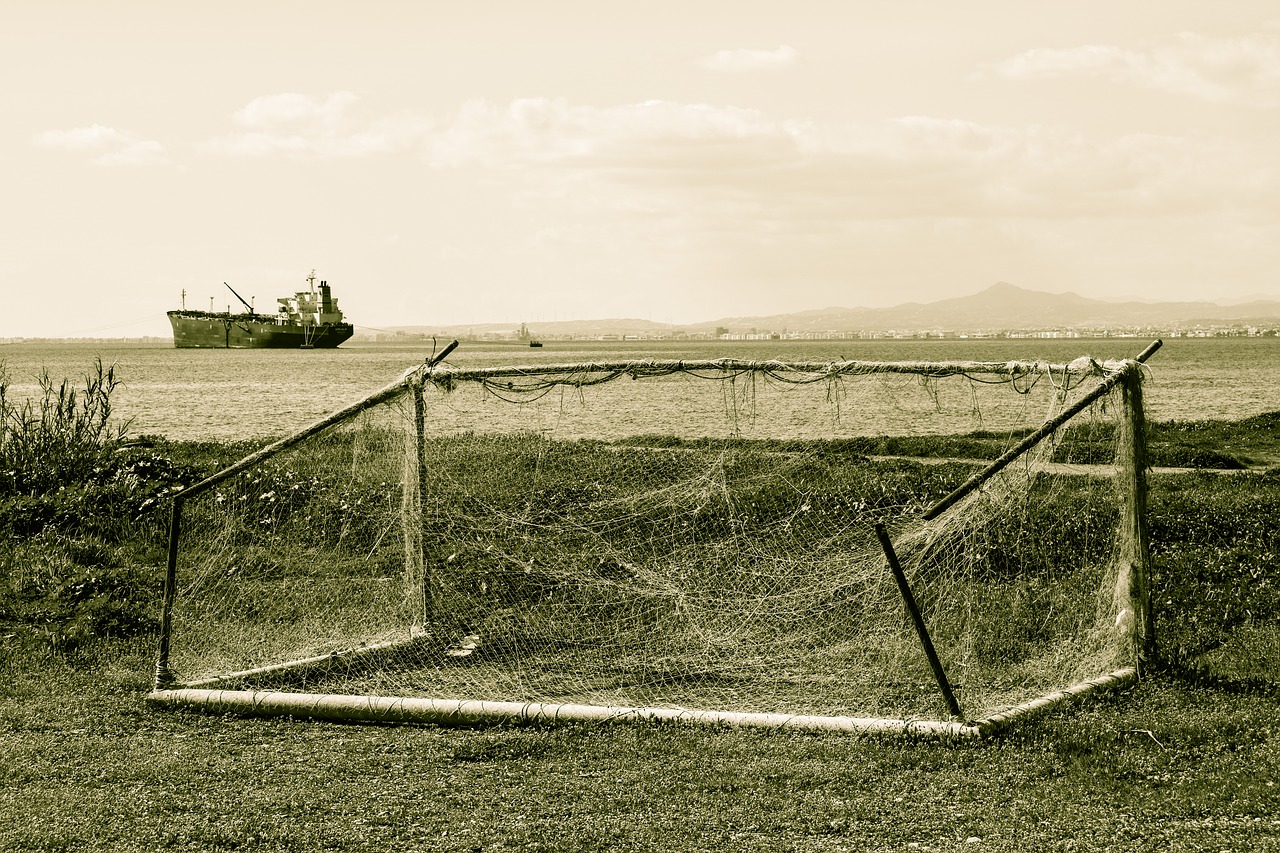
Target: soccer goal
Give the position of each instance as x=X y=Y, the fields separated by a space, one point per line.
x=911 y=548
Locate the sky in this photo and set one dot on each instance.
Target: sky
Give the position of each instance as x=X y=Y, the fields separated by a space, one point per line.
x=446 y=163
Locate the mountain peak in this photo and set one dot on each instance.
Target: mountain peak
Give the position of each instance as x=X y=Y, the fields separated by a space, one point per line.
x=1005 y=287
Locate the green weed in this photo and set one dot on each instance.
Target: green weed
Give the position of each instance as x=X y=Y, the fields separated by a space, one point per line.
x=77 y=514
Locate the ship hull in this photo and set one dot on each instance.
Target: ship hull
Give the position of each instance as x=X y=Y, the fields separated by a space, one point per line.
x=208 y=330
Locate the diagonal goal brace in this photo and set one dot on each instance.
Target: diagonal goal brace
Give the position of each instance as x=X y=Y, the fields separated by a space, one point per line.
x=939 y=674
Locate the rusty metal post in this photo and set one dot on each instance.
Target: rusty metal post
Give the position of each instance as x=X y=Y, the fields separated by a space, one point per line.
x=419 y=536
x=164 y=676
x=927 y=644
x=1133 y=587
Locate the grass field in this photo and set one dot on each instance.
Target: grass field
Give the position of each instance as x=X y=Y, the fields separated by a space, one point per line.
x=83 y=765
x=1171 y=764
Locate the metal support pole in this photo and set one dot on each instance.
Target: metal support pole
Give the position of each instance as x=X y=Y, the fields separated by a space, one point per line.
x=420 y=472
x=418 y=388
x=1134 y=584
x=938 y=673
x=164 y=677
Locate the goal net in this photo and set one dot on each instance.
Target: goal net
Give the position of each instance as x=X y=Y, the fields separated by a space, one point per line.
x=690 y=540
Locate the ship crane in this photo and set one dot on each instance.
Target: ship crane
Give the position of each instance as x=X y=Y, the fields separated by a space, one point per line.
x=241 y=298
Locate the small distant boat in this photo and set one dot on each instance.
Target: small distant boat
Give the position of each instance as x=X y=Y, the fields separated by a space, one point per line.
x=310 y=319
x=524 y=335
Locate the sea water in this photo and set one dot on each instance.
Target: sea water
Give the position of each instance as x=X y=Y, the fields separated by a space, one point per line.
x=260 y=394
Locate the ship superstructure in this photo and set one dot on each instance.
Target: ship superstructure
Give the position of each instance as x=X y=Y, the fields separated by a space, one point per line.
x=308 y=319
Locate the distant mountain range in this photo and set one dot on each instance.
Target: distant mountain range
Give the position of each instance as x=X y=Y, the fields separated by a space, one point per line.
x=1001 y=307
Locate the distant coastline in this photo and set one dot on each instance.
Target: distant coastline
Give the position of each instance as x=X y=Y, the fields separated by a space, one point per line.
x=504 y=337
x=1001 y=312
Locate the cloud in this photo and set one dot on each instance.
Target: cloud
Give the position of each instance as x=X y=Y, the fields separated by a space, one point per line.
x=1242 y=69
x=109 y=147
x=748 y=59
x=296 y=125
x=290 y=108
x=548 y=131
x=739 y=163
x=738 y=197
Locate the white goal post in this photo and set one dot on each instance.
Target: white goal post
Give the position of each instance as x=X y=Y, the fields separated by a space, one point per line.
x=718 y=541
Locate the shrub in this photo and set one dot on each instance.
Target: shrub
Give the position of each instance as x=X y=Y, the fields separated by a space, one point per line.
x=64 y=463
x=60 y=437
x=71 y=492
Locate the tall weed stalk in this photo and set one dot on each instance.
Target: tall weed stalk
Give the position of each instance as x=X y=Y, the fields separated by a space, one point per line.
x=61 y=436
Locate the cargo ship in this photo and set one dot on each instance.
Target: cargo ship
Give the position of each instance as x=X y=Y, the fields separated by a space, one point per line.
x=310 y=319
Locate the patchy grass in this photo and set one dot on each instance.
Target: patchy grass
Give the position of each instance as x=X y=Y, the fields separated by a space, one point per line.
x=83 y=765
x=1221 y=445
x=1254 y=442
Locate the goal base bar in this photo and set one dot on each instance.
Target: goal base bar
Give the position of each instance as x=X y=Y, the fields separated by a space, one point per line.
x=1117 y=680
x=461 y=712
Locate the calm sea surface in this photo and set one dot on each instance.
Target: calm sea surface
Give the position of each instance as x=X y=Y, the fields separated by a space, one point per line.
x=257 y=394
